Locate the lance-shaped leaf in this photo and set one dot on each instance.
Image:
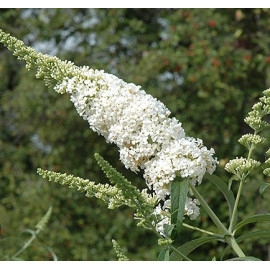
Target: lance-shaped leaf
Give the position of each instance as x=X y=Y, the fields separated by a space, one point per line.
x=179 y=190
x=228 y=194
x=190 y=246
x=254 y=234
x=263 y=187
x=252 y=219
x=168 y=229
x=164 y=255
x=248 y=236
x=244 y=259
x=234 y=177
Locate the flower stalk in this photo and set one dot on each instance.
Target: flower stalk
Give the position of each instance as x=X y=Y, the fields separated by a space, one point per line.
x=236 y=204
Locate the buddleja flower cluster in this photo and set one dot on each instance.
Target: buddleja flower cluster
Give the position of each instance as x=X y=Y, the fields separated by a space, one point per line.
x=147 y=138
x=140 y=126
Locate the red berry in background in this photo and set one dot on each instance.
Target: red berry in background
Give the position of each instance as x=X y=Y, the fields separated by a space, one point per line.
x=178 y=68
x=268 y=59
x=186 y=14
x=212 y=23
x=166 y=62
x=216 y=62
x=248 y=57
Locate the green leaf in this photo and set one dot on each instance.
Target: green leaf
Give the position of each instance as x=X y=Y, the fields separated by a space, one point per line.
x=190 y=246
x=228 y=194
x=168 y=229
x=225 y=251
x=263 y=187
x=244 y=259
x=179 y=191
x=234 y=177
x=249 y=235
x=252 y=219
x=164 y=255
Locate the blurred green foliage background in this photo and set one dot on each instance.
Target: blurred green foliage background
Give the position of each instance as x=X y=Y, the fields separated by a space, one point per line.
x=207 y=65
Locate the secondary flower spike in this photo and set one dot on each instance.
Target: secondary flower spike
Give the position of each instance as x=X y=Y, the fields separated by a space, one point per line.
x=147 y=138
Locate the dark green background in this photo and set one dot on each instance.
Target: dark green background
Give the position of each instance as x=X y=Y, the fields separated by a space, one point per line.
x=207 y=65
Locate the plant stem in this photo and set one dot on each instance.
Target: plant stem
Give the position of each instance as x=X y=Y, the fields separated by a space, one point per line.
x=26 y=244
x=170 y=246
x=236 y=204
x=240 y=190
x=201 y=230
x=229 y=239
x=208 y=210
x=236 y=247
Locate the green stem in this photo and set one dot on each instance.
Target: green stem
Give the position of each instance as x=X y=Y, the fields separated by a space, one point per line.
x=170 y=246
x=240 y=190
x=229 y=239
x=26 y=244
x=236 y=205
x=250 y=152
x=236 y=247
x=208 y=210
x=201 y=230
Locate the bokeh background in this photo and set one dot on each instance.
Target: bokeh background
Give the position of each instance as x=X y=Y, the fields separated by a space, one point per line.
x=207 y=65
